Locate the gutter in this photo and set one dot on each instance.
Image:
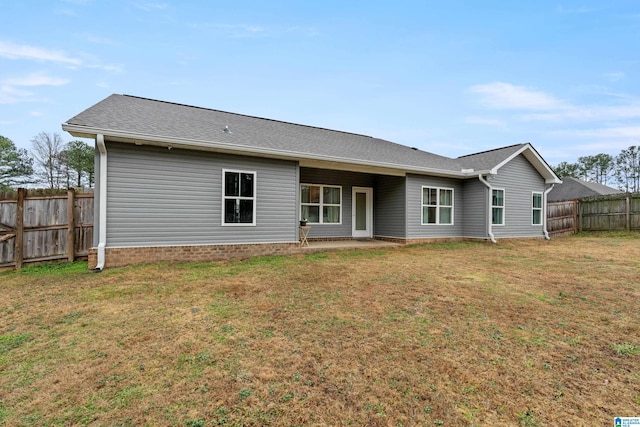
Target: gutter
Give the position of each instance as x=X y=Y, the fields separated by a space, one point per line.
x=102 y=203
x=544 y=212
x=489 y=224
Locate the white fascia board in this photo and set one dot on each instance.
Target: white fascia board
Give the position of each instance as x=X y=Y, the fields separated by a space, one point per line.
x=131 y=137
x=534 y=158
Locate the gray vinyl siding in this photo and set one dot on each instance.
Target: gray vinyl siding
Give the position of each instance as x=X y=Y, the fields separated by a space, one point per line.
x=415 y=229
x=519 y=179
x=347 y=180
x=474 y=209
x=390 y=206
x=158 y=197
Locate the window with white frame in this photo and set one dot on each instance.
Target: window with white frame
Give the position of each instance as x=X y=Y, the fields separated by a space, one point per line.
x=497 y=207
x=239 y=198
x=437 y=205
x=536 y=209
x=321 y=204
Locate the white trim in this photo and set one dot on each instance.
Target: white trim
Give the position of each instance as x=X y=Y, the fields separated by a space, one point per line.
x=369 y=207
x=534 y=158
x=320 y=204
x=224 y=197
x=533 y=208
x=503 y=207
x=437 y=206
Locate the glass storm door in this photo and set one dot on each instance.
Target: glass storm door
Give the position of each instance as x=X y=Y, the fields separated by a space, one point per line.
x=362 y=212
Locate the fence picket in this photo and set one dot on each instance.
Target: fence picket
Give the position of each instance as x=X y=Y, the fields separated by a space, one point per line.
x=44 y=227
x=600 y=213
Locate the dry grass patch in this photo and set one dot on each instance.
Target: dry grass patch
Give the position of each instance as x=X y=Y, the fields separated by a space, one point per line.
x=520 y=333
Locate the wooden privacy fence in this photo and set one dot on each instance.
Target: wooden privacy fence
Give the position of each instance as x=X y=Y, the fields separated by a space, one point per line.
x=562 y=218
x=42 y=228
x=619 y=212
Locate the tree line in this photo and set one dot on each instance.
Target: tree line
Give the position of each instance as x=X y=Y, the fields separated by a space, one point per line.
x=622 y=170
x=51 y=163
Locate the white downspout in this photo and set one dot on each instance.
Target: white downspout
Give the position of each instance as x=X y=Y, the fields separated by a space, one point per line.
x=489 y=225
x=102 y=202
x=544 y=212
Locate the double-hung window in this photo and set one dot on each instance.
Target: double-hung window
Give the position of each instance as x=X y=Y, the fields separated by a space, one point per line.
x=239 y=198
x=497 y=207
x=321 y=204
x=536 y=209
x=437 y=205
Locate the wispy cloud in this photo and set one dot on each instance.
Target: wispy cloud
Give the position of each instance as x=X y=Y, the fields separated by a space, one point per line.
x=232 y=30
x=11 y=94
x=33 y=53
x=589 y=113
x=150 y=6
x=77 y=2
x=501 y=95
x=534 y=105
x=631 y=133
x=11 y=89
x=14 y=51
x=36 y=79
x=597 y=140
x=252 y=30
x=576 y=10
x=68 y=12
x=485 y=121
x=100 y=40
x=614 y=77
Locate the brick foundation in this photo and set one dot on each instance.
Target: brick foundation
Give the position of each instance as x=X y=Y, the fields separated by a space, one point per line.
x=116 y=257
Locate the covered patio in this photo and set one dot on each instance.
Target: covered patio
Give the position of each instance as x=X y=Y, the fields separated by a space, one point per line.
x=331 y=245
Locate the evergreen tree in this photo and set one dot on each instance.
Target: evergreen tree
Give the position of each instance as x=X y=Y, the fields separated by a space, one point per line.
x=16 y=167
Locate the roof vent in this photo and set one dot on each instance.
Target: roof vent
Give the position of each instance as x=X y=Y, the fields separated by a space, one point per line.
x=226 y=129
x=414 y=148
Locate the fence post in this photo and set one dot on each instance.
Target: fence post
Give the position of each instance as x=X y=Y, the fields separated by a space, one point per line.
x=628 y=212
x=578 y=216
x=71 y=227
x=19 y=248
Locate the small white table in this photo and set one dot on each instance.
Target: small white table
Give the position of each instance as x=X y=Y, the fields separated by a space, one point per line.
x=304 y=234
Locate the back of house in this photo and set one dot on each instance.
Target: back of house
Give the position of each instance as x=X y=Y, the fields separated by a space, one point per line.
x=182 y=183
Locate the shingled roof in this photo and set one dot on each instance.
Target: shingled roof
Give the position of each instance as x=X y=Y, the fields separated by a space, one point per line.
x=573 y=188
x=134 y=119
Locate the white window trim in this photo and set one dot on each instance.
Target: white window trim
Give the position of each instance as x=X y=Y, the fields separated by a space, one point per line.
x=533 y=209
x=437 y=205
x=321 y=204
x=254 y=198
x=503 y=207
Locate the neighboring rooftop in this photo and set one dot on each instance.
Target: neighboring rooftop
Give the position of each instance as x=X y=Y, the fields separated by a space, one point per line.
x=573 y=188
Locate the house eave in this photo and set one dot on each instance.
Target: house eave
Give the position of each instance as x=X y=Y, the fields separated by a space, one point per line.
x=536 y=160
x=304 y=159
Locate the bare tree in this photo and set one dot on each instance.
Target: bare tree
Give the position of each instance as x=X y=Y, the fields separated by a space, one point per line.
x=46 y=153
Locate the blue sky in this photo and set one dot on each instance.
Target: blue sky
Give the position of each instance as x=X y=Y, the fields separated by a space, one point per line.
x=450 y=77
